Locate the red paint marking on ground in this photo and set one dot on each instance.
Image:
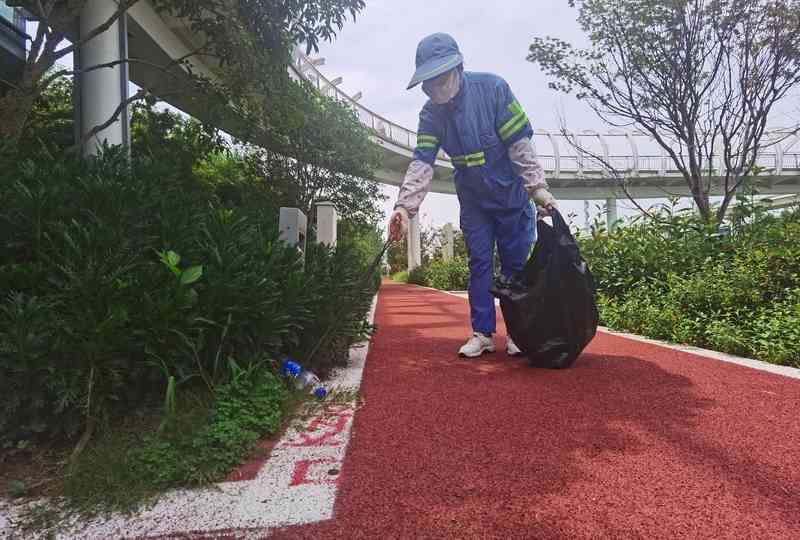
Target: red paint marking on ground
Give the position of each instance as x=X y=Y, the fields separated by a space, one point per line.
x=636 y=441
x=324 y=430
x=249 y=470
x=313 y=471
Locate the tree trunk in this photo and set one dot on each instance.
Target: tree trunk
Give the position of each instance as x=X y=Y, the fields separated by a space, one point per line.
x=15 y=107
x=723 y=208
x=700 y=198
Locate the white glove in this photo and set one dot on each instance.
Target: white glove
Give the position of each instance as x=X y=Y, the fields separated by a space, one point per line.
x=398 y=225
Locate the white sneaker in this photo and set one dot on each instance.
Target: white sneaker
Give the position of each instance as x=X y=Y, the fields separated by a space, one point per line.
x=476 y=346
x=511 y=347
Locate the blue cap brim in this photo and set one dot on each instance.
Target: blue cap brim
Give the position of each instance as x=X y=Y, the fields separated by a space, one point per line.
x=434 y=68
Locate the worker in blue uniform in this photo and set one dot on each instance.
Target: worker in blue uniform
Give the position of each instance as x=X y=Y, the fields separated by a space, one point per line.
x=475 y=118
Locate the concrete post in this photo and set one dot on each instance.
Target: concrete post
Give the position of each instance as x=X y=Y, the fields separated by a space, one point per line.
x=449 y=241
x=326 y=223
x=586 y=218
x=414 y=244
x=293 y=225
x=611 y=213
x=102 y=90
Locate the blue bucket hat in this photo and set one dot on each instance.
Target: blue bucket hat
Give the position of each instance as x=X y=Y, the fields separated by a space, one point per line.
x=436 y=54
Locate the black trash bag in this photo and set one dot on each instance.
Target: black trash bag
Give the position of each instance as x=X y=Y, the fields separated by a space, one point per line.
x=550 y=308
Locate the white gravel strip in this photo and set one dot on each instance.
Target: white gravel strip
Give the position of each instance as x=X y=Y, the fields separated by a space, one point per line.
x=296 y=485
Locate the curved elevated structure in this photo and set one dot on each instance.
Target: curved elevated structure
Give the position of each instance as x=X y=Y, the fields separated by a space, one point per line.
x=570 y=176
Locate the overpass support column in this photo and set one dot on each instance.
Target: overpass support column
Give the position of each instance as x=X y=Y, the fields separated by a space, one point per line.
x=102 y=90
x=611 y=213
x=449 y=241
x=414 y=244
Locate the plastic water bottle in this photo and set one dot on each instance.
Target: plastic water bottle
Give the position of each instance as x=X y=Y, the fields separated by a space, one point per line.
x=304 y=379
x=308 y=381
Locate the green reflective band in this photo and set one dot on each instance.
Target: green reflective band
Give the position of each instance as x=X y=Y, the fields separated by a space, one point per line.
x=472 y=160
x=518 y=124
x=427 y=139
x=426 y=146
x=515 y=123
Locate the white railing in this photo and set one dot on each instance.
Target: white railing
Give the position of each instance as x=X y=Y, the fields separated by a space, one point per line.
x=562 y=157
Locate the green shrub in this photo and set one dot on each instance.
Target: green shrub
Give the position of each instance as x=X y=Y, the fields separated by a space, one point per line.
x=245 y=409
x=443 y=274
x=401 y=277
x=118 y=276
x=419 y=275
x=448 y=274
x=676 y=280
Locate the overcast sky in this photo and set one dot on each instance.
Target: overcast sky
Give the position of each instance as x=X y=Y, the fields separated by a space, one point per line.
x=375 y=55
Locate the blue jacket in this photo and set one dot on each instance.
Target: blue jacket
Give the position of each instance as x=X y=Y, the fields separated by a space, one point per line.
x=476 y=129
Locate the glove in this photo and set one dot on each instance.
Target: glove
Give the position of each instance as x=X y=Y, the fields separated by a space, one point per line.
x=398 y=224
x=544 y=201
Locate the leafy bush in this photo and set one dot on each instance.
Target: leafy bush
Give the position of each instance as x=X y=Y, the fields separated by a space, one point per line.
x=448 y=274
x=419 y=275
x=118 y=276
x=401 y=277
x=245 y=409
x=444 y=274
x=679 y=280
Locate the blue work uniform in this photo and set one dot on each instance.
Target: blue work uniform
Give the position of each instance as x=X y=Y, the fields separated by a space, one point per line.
x=476 y=128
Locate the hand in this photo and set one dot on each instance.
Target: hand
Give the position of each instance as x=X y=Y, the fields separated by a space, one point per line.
x=544 y=201
x=398 y=224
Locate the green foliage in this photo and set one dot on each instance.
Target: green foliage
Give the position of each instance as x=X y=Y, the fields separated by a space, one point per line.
x=676 y=280
x=50 y=128
x=200 y=444
x=444 y=274
x=448 y=274
x=338 y=164
x=245 y=409
x=419 y=275
x=400 y=277
x=118 y=279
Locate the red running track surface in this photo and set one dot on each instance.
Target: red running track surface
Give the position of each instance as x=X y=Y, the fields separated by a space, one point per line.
x=636 y=441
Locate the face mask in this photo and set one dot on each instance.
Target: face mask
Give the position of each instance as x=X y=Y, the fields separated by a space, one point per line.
x=443 y=88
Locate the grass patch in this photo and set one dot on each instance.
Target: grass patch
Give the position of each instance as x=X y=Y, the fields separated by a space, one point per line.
x=204 y=438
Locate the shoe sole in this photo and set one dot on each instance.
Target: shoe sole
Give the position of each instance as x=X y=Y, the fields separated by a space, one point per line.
x=484 y=351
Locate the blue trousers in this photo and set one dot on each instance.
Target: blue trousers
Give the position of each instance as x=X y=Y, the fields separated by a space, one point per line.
x=514 y=232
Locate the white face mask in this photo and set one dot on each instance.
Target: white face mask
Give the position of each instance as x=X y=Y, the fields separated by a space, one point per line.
x=443 y=88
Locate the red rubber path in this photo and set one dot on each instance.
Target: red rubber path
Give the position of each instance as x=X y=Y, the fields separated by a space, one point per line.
x=636 y=441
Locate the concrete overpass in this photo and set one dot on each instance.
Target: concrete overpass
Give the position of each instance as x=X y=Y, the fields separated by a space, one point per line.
x=571 y=177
